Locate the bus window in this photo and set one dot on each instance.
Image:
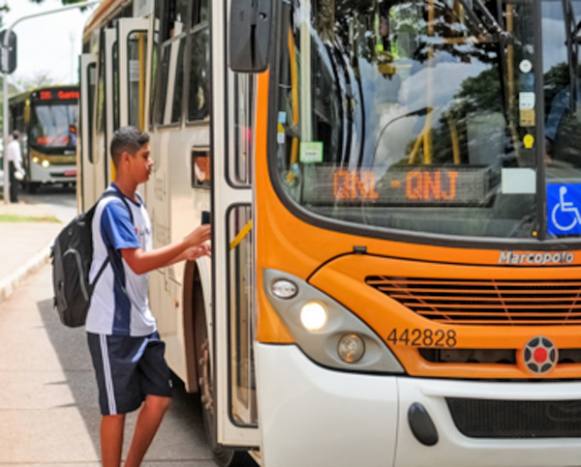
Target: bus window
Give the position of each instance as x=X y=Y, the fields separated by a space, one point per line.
x=562 y=96
x=201 y=168
x=155 y=86
x=137 y=48
x=407 y=117
x=91 y=83
x=243 y=124
x=200 y=12
x=178 y=72
x=175 y=18
x=115 y=81
x=100 y=96
x=163 y=78
x=241 y=284
x=54 y=125
x=198 y=99
x=173 y=24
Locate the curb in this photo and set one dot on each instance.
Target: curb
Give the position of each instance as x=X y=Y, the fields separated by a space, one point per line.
x=9 y=284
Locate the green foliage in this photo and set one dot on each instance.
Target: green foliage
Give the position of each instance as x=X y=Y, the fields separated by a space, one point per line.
x=482 y=93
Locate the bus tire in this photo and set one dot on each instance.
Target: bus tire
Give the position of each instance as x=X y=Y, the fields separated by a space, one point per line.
x=32 y=187
x=223 y=456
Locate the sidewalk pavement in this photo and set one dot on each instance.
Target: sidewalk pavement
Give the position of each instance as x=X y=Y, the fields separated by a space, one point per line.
x=24 y=246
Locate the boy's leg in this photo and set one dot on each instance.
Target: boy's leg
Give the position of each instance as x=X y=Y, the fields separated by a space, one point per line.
x=119 y=389
x=155 y=384
x=112 y=439
x=150 y=416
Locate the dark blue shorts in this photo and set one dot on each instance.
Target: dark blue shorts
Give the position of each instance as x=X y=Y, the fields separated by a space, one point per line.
x=127 y=370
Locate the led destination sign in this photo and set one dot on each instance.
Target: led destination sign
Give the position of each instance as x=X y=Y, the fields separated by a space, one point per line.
x=418 y=186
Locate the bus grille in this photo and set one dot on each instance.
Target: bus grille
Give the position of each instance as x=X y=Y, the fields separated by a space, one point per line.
x=486 y=302
x=478 y=418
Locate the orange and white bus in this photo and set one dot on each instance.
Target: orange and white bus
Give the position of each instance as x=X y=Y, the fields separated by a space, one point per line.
x=395 y=193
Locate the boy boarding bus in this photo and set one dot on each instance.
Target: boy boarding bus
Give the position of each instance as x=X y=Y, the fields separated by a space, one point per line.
x=395 y=194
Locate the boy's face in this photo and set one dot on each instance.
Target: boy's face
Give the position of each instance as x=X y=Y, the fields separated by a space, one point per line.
x=140 y=164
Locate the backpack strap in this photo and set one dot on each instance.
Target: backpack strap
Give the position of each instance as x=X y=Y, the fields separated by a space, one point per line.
x=114 y=193
x=101 y=270
x=110 y=251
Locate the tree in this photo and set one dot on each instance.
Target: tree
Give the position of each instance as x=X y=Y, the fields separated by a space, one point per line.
x=38 y=80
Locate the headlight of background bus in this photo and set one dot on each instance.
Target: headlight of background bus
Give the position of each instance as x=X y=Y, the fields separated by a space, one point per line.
x=45 y=164
x=326 y=331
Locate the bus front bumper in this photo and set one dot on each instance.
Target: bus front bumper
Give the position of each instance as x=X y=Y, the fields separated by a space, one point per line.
x=53 y=174
x=312 y=416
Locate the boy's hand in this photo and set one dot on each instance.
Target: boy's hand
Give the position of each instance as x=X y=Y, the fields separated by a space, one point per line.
x=195 y=252
x=198 y=235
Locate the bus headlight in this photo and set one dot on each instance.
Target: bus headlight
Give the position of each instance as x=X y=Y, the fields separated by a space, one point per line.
x=284 y=289
x=45 y=164
x=313 y=316
x=351 y=348
x=326 y=331
x=36 y=160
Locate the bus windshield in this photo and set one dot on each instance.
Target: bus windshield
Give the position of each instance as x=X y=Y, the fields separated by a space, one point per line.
x=54 y=125
x=420 y=115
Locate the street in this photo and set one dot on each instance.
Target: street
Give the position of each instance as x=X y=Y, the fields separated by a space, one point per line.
x=62 y=201
x=48 y=401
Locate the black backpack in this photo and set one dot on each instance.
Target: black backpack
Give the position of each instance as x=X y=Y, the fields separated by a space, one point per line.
x=72 y=254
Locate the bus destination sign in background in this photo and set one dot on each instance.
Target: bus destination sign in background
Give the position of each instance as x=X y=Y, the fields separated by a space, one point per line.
x=60 y=95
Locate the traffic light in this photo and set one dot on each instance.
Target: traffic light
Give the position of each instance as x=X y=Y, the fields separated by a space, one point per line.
x=8 y=53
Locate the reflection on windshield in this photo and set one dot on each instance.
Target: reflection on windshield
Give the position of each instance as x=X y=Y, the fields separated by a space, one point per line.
x=562 y=116
x=54 y=126
x=419 y=117
x=561 y=75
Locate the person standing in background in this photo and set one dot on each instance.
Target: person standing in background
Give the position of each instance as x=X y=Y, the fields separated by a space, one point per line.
x=14 y=156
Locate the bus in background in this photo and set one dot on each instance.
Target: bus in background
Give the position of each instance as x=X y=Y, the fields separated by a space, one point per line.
x=396 y=228
x=47 y=119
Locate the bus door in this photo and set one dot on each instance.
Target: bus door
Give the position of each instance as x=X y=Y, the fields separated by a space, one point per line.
x=132 y=34
x=132 y=37
x=233 y=250
x=86 y=186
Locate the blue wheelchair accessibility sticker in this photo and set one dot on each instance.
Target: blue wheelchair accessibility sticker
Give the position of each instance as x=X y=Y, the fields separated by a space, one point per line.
x=564 y=209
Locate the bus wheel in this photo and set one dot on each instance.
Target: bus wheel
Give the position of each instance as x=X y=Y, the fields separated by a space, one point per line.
x=32 y=187
x=224 y=457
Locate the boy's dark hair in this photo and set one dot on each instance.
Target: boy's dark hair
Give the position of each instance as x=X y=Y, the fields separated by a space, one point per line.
x=15 y=134
x=128 y=139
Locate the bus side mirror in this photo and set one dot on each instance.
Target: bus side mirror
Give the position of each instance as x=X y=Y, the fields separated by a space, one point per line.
x=250 y=26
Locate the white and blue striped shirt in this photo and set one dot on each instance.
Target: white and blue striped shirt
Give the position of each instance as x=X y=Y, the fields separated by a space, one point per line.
x=119 y=304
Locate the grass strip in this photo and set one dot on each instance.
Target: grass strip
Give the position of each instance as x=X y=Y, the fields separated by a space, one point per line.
x=17 y=218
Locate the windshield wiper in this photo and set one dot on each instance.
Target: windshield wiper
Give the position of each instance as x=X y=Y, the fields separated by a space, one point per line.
x=414 y=113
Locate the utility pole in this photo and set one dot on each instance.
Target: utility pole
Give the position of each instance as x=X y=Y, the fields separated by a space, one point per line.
x=4 y=51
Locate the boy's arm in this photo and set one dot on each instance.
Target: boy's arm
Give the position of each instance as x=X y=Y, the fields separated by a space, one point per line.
x=141 y=261
x=192 y=253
